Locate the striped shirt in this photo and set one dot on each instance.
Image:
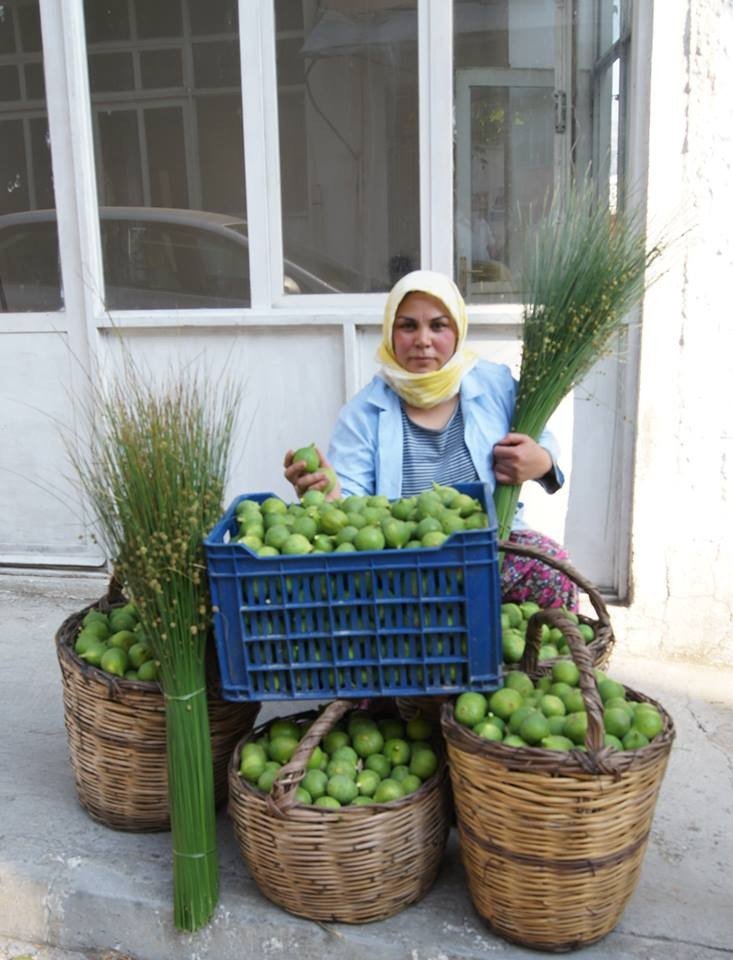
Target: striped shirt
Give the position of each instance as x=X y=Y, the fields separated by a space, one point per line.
x=434 y=455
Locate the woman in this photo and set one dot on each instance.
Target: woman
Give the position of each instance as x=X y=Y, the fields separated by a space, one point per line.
x=435 y=412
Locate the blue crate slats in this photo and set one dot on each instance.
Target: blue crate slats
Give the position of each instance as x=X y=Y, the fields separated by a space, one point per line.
x=382 y=623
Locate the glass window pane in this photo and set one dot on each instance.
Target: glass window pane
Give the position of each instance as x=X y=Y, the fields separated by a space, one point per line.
x=585 y=56
x=29 y=264
x=504 y=84
x=291 y=117
x=289 y=15
x=289 y=61
x=41 y=151
x=29 y=21
x=9 y=83
x=161 y=68
x=216 y=64
x=220 y=135
x=7 y=30
x=160 y=19
x=106 y=22
x=165 y=143
x=14 y=195
x=30 y=276
x=170 y=157
x=607 y=21
x=602 y=51
x=120 y=179
x=513 y=128
x=214 y=16
x=168 y=262
x=348 y=104
x=34 y=83
x=111 y=71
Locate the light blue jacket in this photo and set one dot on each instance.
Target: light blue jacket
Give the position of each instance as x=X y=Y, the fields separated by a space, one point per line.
x=366 y=445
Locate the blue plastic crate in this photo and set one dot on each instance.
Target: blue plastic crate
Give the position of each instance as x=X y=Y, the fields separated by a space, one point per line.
x=363 y=624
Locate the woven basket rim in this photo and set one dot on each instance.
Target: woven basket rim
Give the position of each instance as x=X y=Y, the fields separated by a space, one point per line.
x=66 y=635
x=309 y=812
x=597 y=758
x=64 y=638
x=571 y=763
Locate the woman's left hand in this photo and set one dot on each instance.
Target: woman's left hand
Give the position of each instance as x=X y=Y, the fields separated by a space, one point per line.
x=518 y=458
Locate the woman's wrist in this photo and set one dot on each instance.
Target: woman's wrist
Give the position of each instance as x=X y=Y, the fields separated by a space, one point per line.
x=549 y=469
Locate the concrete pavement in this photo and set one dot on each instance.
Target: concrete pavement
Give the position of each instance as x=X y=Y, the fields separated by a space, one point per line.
x=72 y=889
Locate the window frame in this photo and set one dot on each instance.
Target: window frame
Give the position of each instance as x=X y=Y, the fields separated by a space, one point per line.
x=261 y=150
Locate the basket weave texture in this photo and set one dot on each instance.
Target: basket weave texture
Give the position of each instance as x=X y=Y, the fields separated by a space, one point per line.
x=599 y=648
x=116 y=731
x=552 y=842
x=352 y=865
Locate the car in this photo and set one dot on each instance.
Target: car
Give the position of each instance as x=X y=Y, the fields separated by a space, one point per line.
x=154 y=258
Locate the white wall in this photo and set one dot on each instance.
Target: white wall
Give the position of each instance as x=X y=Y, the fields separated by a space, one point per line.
x=682 y=533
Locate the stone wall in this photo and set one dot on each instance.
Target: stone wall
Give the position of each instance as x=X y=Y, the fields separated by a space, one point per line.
x=682 y=528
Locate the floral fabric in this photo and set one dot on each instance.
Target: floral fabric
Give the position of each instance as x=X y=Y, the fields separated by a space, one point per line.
x=524 y=578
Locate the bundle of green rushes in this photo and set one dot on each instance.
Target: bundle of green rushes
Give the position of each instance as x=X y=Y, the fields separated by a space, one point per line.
x=155 y=475
x=584 y=268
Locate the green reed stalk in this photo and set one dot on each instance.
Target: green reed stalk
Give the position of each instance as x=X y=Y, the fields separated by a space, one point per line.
x=584 y=268
x=154 y=476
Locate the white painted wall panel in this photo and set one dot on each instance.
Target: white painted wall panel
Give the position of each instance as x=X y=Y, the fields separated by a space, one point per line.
x=682 y=599
x=40 y=507
x=292 y=388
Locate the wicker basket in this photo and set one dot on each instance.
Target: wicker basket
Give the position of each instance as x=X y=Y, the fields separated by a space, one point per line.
x=600 y=647
x=353 y=865
x=553 y=842
x=117 y=737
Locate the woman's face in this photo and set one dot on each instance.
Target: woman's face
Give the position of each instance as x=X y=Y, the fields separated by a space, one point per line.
x=424 y=335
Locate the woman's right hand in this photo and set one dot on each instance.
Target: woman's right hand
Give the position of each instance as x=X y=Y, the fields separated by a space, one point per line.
x=296 y=473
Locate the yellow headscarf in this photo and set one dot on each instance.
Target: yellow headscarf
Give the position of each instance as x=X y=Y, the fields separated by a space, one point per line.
x=426 y=389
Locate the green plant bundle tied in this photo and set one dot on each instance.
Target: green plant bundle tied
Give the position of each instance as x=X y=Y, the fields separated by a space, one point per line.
x=584 y=268
x=155 y=478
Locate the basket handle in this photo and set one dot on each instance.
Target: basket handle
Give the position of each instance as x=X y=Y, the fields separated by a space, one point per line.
x=114 y=593
x=282 y=796
x=599 y=758
x=524 y=550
